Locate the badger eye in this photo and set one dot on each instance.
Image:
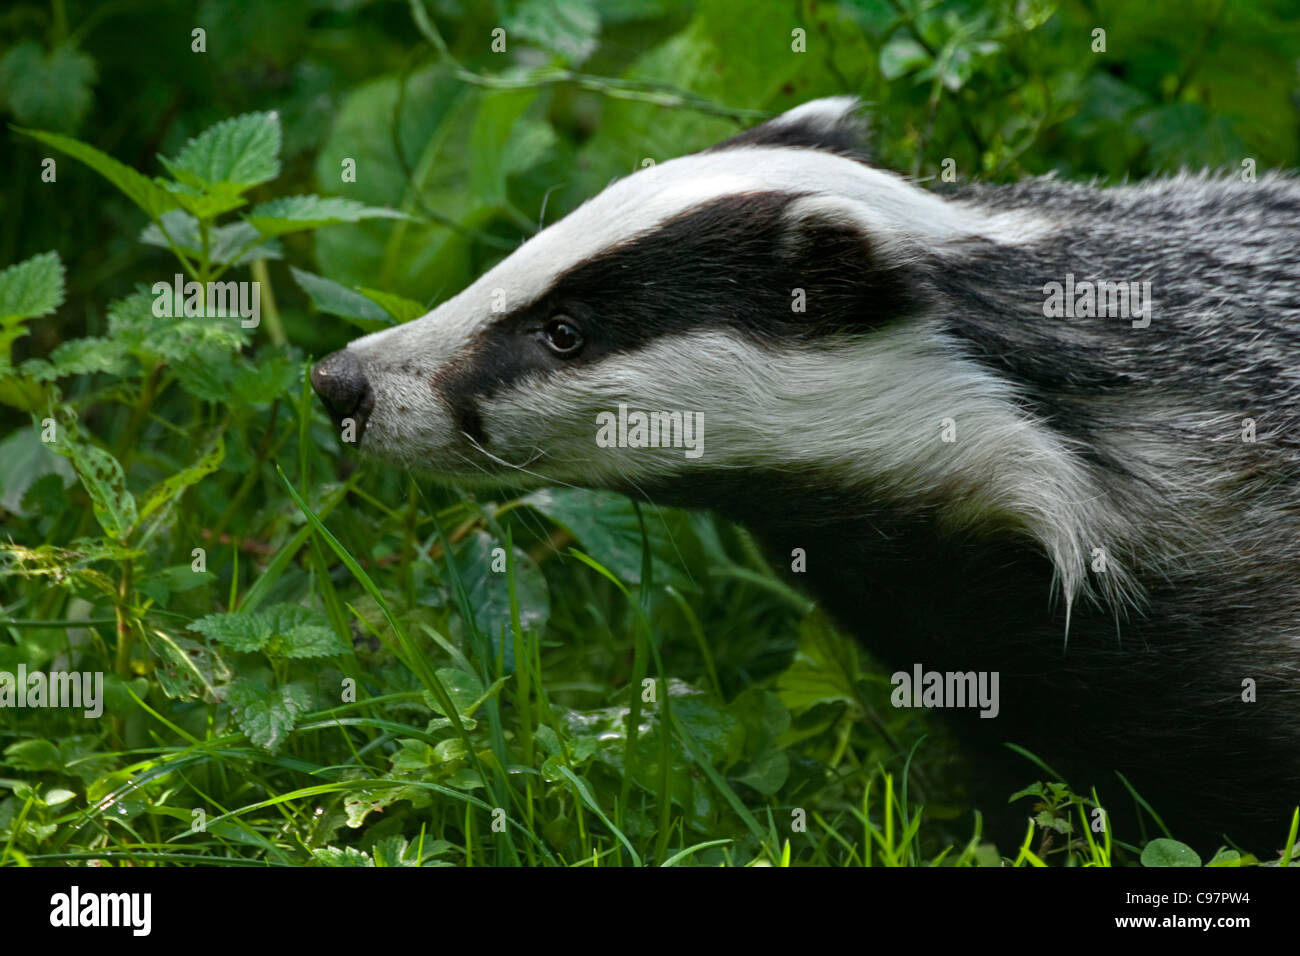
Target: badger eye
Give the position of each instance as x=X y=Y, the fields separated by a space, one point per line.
x=562 y=337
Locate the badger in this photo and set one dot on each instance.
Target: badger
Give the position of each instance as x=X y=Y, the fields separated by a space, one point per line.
x=1045 y=431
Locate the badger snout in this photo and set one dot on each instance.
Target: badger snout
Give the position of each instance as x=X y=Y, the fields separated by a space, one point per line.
x=342 y=386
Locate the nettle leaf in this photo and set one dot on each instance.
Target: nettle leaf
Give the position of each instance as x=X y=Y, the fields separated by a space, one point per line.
x=238 y=630
x=329 y=296
x=28 y=290
x=150 y=337
x=233 y=156
x=102 y=477
x=300 y=632
x=186 y=669
x=137 y=187
x=47 y=90
x=267 y=714
x=198 y=202
x=298 y=213
x=342 y=857
x=399 y=307
x=79 y=357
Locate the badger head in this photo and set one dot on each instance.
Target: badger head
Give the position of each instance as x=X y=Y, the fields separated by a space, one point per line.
x=725 y=286
x=764 y=294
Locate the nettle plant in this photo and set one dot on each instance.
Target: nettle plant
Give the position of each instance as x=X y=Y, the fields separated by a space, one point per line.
x=147 y=555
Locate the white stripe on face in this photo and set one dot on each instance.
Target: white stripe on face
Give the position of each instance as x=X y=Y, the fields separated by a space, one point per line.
x=894 y=212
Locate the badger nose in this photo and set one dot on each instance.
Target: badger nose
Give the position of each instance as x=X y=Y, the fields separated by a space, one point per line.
x=342 y=386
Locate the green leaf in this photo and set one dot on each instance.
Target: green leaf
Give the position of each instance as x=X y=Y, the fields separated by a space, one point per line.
x=297 y=213
x=101 y=475
x=46 y=90
x=1165 y=852
x=24 y=458
x=186 y=669
x=79 y=357
x=342 y=857
x=28 y=290
x=232 y=156
x=606 y=524
x=226 y=244
x=170 y=488
x=567 y=27
x=822 y=668
x=238 y=630
x=489 y=593
x=399 y=307
x=300 y=632
x=267 y=714
x=767 y=772
x=900 y=56
x=137 y=187
x=199 y=203
x=329 y=296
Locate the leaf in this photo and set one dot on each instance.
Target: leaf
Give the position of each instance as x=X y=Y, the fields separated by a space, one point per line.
x=102 y=477
x=341 y=856
x=606 y=524
x=399 y=307
x=300 y=632
x=232 y=156
x=329 y=296
x=238 y=630
x=24 y=459
x=137 y=187
x=28 y=290
x=297 y=213
x=170 y=488
x=186 y=669
x=567 y=27
x=267 y=714
x=489 y=594
x=822 y=669
x=900 y=56
x=1165 y=852
x=199 y=203
x=79 y=357
x=767 y=772
x=47 y=90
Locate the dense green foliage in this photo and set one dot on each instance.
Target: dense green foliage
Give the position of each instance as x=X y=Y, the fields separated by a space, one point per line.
x=311 y=658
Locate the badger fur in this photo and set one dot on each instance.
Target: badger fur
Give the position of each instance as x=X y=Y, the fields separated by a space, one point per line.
x=1103 y=509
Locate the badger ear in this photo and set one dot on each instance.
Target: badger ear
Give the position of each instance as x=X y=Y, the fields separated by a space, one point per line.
x=834 y=124
x=853 y=275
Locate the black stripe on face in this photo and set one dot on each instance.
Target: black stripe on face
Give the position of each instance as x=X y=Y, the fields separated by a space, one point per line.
x=732 y=264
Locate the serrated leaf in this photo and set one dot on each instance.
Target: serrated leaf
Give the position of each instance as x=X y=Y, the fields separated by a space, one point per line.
x=234 y=155
x=297 y=213
x=238 y=630
x=300 y=632
x=399 y=307
x=31 y=288
x=24 y=459
x=170 y=488
x=47 y=90
x=102 y=477
x=341 y=856
x=199 y=203
x=267 y=714
x=79 y=357
x=137 y=187
x=228 y=244
x=329 y=296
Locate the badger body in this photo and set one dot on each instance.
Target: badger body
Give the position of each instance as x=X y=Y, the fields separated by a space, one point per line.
x=906 y=389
